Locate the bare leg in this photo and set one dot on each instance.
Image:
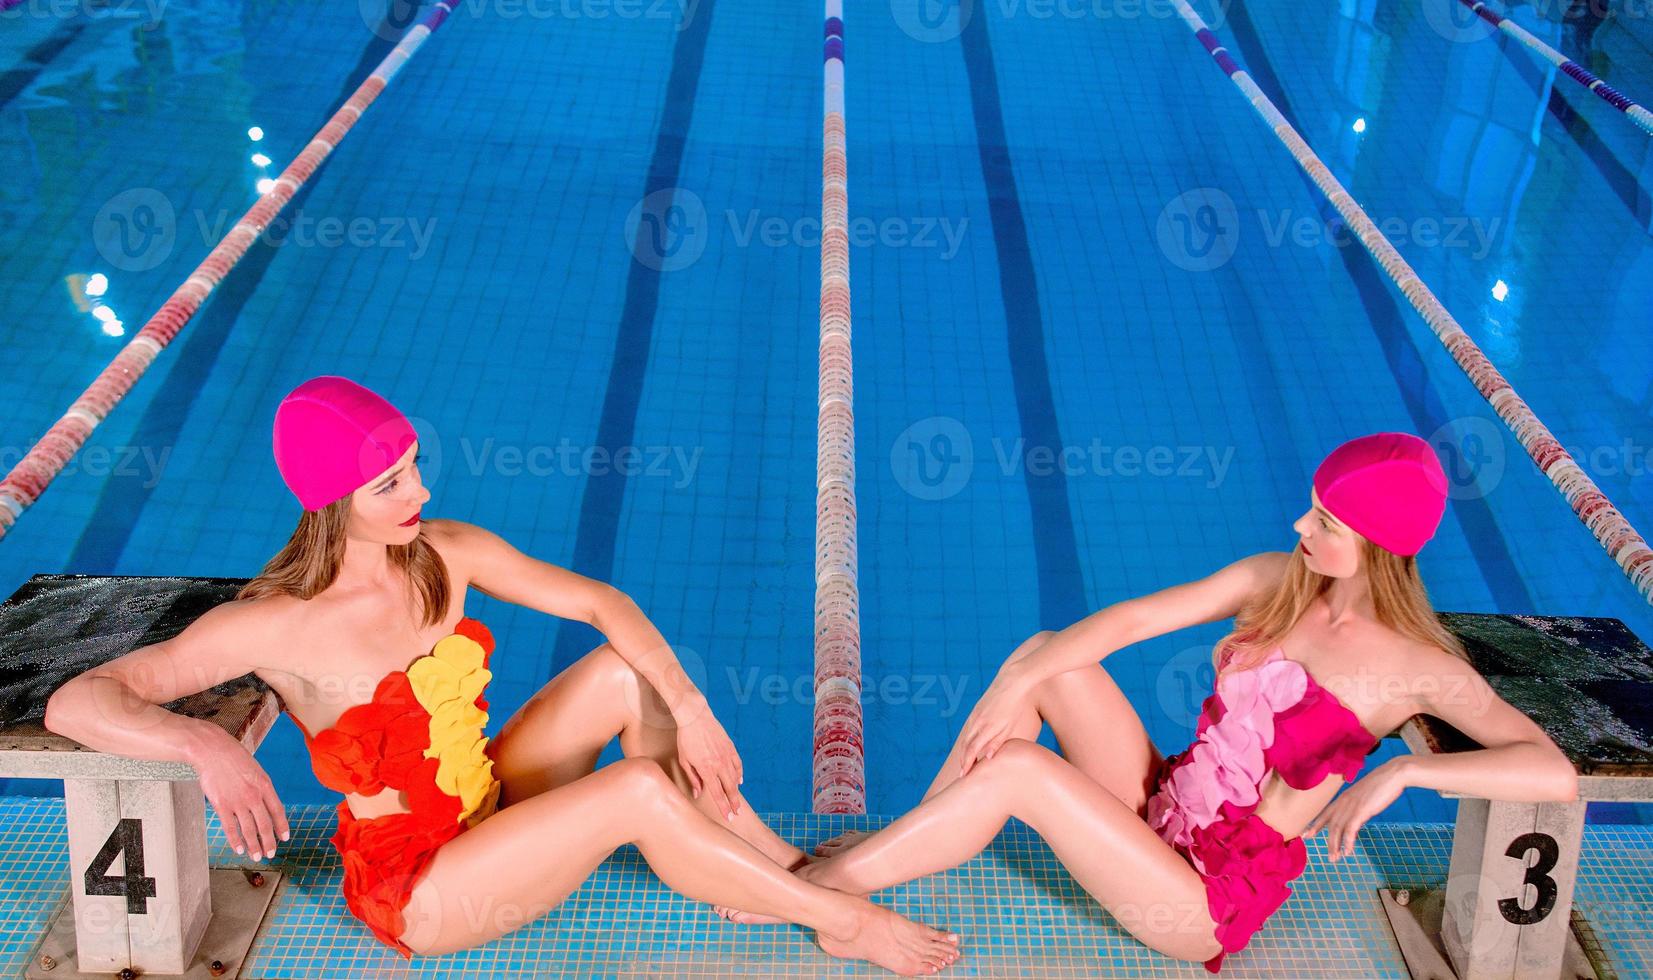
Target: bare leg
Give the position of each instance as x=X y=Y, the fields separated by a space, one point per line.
x=1095 y=725
x=558 y=735
x=1107 y=848
x=524 y=860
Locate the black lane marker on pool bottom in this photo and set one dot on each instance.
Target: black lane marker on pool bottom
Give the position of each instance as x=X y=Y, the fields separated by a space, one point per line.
x=604 y=493
x=1061 y=586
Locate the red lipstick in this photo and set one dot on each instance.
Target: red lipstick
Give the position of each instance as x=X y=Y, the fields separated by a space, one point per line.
x=411 y=521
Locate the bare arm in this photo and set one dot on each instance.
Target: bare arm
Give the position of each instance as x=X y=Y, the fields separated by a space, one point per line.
x=1520 y=762
x=1217 y=596
x=116 y=707
x=500 y=570
x=703 y=748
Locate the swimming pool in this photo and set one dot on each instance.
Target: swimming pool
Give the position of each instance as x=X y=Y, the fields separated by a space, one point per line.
x=1069 y=232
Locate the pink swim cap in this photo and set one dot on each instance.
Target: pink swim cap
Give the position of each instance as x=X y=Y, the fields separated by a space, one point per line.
x=1389 y=486
x=332 y=436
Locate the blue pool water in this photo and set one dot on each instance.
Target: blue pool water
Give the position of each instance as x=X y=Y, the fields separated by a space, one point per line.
x=1076 y=234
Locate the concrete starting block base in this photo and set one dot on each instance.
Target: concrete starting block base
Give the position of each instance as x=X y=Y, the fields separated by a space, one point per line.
x=1416 y=914
x=240 y=900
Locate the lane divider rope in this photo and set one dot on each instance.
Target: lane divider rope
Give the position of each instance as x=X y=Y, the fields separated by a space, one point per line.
x=839 y=762
x=1627 y=547
x=1572 y=69
x=26 y=481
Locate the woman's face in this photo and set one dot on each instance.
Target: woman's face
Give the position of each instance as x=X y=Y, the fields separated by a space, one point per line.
x=381 y=505
x=1329 y=546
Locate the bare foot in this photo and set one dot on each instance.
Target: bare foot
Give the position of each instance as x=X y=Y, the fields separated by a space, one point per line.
x=894 y=943
x=827 y=872
x=743 y=918
x=843 y=841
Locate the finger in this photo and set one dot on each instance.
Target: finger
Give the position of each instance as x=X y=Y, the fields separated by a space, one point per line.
x=266 y=829
x=246 y=831
x=695 y=782
x=721 y=799
x=972 y=749
x=731 y=789
x=283 y=830
x=231 y=827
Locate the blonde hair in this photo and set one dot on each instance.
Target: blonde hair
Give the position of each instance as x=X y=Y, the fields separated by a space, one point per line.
x=1398 y=596
x=311 y=559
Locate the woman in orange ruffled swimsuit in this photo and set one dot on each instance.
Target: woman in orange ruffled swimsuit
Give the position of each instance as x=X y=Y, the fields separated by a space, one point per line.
x=450 y=839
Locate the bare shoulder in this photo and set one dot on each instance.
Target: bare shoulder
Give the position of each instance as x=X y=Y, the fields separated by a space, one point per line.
x=457 y=542
x=1267 y=569
x=1437 y=675
x=264 y=628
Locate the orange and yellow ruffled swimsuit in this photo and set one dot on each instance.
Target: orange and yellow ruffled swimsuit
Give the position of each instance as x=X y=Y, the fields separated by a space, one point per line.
x=422 y=734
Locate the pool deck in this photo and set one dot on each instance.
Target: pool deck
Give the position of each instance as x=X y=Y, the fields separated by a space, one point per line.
x=1019 y=912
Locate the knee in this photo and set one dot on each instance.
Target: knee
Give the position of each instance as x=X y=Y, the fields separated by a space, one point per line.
x=1016 y=756
x=643 y=782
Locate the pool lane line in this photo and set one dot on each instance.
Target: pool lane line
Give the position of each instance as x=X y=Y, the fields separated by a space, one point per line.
x=839 y=783
x=103 y=539
x=1614 y=532
x=46 y=458
x=1488 y=544
x=1638 y=113
x=598 y=530
x=1055 y=544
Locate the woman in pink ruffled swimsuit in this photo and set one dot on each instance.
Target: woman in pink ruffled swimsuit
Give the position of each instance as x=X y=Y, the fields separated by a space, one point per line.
x=1193 y=853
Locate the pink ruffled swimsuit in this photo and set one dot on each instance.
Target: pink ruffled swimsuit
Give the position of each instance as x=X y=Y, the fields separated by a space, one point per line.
x=1273 y=717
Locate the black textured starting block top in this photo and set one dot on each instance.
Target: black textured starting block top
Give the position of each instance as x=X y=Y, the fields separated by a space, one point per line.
x=58 y=626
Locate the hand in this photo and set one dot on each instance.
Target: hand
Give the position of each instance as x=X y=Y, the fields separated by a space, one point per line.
x=992 y=721
x=711 y=762
x=1364 y=799
x=241 y=794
